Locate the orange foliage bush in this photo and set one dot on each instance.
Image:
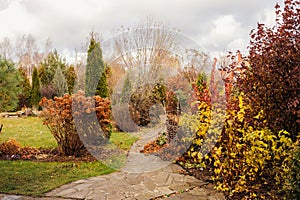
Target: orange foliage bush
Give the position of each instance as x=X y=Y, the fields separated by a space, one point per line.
x=10 y=147
x=71 y=120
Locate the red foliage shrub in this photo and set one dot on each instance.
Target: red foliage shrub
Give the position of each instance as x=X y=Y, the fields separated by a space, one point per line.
x=271 y=80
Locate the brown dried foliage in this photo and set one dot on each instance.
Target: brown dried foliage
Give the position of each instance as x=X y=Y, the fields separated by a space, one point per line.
x=10 y=147
x=60 y=114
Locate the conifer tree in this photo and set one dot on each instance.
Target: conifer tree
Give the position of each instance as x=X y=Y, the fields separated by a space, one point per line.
x=60 y=83
x=95 y=76
x=25 y=90
x=35 y=89
x=70 y=76
x=9 y=81
x=126 y=90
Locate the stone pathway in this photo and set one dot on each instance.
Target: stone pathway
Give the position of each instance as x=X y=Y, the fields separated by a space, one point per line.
x=143 y=177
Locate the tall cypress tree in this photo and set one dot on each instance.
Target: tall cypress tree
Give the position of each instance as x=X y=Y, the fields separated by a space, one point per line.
x=70 y=76
x=95 y=76
x=102 y=87
x=35 y=89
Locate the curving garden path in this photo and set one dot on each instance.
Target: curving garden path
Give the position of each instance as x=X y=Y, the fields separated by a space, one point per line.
x=142 y=177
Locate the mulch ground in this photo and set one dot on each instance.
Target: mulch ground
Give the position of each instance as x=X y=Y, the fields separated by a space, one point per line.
x=12 y=150
x=45 y=155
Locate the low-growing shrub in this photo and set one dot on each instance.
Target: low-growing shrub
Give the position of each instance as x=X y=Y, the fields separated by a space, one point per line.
x=10 y=148
x=162 y=139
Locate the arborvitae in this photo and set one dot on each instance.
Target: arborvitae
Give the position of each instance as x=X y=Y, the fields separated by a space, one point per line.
x=95 y=76
x=126 y=90
x=70 y=75
x=102 y=87
x=25 y=87
x=35 y=89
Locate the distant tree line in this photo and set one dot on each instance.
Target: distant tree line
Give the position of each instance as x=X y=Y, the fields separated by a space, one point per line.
x=27 y=73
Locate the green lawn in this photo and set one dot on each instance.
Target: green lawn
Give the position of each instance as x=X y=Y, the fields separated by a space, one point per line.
x=122 y=140
x=28 y=131
x=36 y=178
x=31 y=132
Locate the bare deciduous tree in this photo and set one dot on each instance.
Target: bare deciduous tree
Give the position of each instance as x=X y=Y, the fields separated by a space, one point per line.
x=146 y=47
x=6 y=48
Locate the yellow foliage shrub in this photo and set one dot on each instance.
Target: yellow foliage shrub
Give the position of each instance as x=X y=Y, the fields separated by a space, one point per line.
x=250 y=158
x=205 y=127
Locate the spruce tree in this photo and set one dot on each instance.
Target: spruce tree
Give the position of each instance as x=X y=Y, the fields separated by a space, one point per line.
x=35 y=89
x=95 y=76
x=47 y=72
x=49 y=66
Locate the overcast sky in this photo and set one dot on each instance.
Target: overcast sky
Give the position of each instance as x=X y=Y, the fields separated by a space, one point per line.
x=216 y=25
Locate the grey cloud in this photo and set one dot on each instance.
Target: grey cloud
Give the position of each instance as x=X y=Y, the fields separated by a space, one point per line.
x=68 y=22
x=4 y=4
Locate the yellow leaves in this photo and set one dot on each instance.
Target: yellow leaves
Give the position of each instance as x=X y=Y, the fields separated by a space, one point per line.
x=241 y=102
x=199 y=156
x=249 y=155
x=239 y=187
x=283 y=133
x=194 y=154
x=217 y=151
x=260 y=115
x=255 y=169
x=241 y=115
x=217 y=170
x=277 y=157
x=232 y=155
x=239 y=146
x=217 y=163
x=198 y=141
x=206 y=157
x=253 y=195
